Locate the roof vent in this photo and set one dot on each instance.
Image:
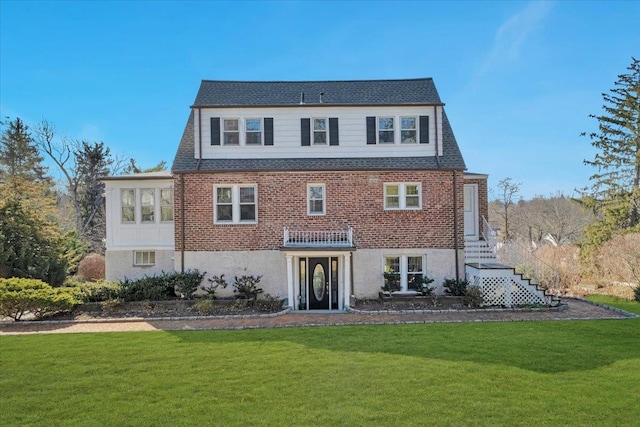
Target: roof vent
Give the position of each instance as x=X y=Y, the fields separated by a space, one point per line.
x=301 y=98
x=321 y=95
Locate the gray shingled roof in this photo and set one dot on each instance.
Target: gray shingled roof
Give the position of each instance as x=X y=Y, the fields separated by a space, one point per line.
x=185 y=161
x=214 y=93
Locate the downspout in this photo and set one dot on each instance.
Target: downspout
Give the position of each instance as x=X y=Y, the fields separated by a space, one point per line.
x=455 y=222
x=435 y=128
x=199 y=138
x=182 y=221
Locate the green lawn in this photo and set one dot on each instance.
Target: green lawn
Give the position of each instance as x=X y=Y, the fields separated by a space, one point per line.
x=621 y=303
x=495 y=374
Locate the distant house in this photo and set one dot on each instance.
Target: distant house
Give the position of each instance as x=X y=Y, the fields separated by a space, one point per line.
x=318 y=186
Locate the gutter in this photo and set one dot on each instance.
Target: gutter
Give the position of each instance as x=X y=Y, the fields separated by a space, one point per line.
x=199 y=138
x=182 y=222
x=435 y=127
x=455 y=223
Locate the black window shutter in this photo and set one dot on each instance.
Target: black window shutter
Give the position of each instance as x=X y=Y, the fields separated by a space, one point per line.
x=268 y=131
x=215 y=130
x=424 y=129
x=371 y=130
x=305 y=132
x=333 y=131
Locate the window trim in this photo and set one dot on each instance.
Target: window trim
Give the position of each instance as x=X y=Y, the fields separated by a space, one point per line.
x=235 y=204
x=403 y=267
x=324 y=199
x=402 y=196
x=149 y=255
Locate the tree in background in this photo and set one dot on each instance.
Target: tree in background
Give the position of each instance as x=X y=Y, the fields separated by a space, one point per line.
x=133 y=168
x=615 y=191
x=31 y=245
x=505 y=195
x=82 y=164
x=19 y=155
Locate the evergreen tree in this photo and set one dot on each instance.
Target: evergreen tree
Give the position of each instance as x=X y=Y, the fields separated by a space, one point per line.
x=92 y=163
x=31 y=244
x=615 y=191
x=19 y=155
x=133 y=168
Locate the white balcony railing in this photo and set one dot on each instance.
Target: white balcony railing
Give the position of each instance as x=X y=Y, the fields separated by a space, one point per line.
x=318 y=238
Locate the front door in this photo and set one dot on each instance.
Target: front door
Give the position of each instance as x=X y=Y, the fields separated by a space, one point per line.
x=318 y=283
x=471 y=211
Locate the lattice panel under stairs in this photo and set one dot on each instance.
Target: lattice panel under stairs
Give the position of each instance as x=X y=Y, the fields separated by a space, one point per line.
x=503 y=287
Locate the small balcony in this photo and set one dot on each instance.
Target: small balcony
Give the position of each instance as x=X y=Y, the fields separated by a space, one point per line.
x=318 y=238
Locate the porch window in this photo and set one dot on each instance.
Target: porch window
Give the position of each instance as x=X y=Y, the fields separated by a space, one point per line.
x=315 y=199
x=166 y=204
x=403 y=273
x=128 y=205
x=147 y=205
x=402 y=196
x=235 y=204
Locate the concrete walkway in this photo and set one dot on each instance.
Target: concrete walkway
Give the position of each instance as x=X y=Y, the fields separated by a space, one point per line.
x=575 y=310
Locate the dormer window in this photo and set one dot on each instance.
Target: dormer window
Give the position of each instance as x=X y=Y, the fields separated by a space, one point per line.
x=320 y=131
x=231 y=132
x=253 y=128
x=408 y=130
x=386 y=130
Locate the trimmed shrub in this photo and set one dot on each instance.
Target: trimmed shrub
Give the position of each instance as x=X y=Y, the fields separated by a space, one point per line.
x=456 y=288
x=636 y=293
x=216 y=282
x=98 y=291
x=187 y=283
x=92 y=267
x=268 y=303
x=247 y=287
x=20 y=296
x=154 y=288
x=473 y=297
x=421 y=284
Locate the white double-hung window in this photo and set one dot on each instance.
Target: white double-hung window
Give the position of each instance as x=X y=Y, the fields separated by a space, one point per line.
x=235 y=204
x=403 y=195
x=253 y=131
x=315 y=199
x=404 y=272
x=386 y=132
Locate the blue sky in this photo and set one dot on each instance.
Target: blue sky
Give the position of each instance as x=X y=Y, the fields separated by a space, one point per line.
x=519 y=79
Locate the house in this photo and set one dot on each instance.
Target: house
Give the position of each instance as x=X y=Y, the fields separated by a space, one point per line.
x=319 y=187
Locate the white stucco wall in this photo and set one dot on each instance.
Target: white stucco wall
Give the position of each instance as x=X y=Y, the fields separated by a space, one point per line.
x=271 y=265
x=119 y=264
x=368 y=268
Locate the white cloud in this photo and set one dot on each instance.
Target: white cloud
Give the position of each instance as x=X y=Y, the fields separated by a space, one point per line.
x=512 y=34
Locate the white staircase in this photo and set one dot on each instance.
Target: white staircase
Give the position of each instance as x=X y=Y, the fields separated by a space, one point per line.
x=500 y=284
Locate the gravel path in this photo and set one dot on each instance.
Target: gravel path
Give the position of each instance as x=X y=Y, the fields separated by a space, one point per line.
x=575 y=309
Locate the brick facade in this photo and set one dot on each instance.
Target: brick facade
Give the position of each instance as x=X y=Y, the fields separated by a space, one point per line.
x=353 y=198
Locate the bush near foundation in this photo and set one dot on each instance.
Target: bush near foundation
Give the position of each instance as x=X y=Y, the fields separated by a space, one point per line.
x=161 y=287
x=20 y=296
x=98 y=291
